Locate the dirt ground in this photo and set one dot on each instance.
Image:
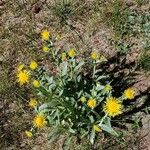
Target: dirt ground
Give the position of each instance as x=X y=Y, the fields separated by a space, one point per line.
x=21 y=24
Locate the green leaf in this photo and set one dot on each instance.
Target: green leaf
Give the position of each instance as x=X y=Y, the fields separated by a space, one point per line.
x=79 y=65
x=56 y=52
x=65 y=67
x=43 y=106
x=107 y=127
x=96 y=71
x=44 y=91
x=101 y=77
x=109 y=130
x=60 y=93
x=68 y=142
x=79 y=78
x=91 y=119
x=72 y=131
x=49 y=79
x=92 y=137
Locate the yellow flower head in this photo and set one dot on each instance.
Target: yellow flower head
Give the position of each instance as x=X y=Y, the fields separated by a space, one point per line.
x=72 y=53
x=97 y=128
x=129 y=93
x=91 y=103
x=33 y=65
x=63 y=56
x=20 y=67
x=112 y=107
x=102 y=58
x=32 y=103
x=45 y=35
x=108 y=88
x=59 y=37
x=45 y=49
x=28 y=134
x=94 y=55
x=83 y=99
x=36 y=83
x=23 y=77
x=39 y=121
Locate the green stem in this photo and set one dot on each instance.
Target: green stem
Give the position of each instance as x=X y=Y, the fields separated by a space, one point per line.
x=94 y=69
x=102 y=120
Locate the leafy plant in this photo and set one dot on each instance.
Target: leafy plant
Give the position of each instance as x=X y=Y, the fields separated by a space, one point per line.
x=73 y=103
x=141 y=2
x=145 y=61
x=63 y=10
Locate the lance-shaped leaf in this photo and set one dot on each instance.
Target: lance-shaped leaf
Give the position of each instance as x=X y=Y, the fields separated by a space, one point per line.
x=106 y=126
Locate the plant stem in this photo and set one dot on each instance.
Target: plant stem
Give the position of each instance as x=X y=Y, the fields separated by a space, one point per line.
x=102 y=120
x=94 y=71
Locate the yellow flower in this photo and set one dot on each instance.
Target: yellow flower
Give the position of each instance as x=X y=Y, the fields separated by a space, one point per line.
x=63 y=56
x=23 y=77
x=102 y=58
x=129 y=93
x=33 y=65
x=36 y=83
x=20 y=67
x=45 y=35
x=91 y=103
x=58 y=37
x=94 y=55
x=112 y=107
x=28 y=134
x=83 y=99
x=97 y=128
x=32 y=103
x=72 y=53
x=39 y=121
x=45 y=49
x=108 y=88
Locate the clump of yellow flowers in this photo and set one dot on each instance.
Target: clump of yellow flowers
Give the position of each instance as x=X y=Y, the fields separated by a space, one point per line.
x=71 y=101
x=23 y=75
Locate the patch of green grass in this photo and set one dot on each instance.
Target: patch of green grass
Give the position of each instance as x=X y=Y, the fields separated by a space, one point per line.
x=141 y=2
x=63 y=10
x=4 y=83
x=123 y=47
x=145 y=61
x=124 y=22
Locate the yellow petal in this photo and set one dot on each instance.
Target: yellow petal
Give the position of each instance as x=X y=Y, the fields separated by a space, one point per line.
x=97 y=128
x=28 y=134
